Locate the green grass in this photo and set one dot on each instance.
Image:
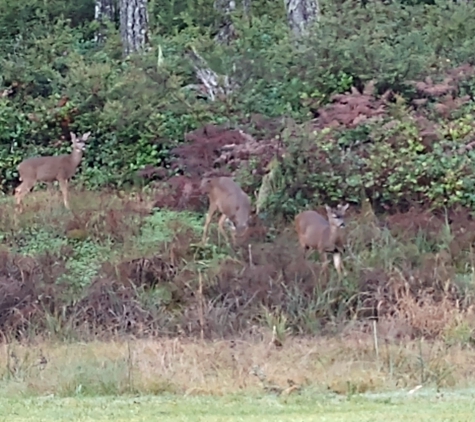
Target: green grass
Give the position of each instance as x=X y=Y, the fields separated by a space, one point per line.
x=430 y=406
x=111 y=233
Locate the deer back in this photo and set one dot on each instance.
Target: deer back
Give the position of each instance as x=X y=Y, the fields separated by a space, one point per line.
x=314 y=230
x=229 y=198
x=49 y=169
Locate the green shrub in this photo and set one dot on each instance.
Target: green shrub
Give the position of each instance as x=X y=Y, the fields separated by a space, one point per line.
x=138 y=111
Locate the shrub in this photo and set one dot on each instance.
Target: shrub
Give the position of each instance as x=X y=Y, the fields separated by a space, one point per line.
x=56 y=79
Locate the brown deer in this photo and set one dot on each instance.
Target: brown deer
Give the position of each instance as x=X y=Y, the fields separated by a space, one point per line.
x=49 y=169
x=315 y=232
x=227 y=197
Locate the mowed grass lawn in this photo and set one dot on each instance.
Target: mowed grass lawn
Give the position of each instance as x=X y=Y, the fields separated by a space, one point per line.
x=451 y=406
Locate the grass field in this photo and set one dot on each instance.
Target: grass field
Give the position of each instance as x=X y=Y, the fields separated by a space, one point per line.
x=422 y=406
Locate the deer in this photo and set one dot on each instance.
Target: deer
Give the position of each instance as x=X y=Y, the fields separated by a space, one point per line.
x=49 y=169
x=314 y=232
x=227 y=197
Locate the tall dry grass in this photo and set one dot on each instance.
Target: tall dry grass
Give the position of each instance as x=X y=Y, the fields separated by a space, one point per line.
x=344 y=365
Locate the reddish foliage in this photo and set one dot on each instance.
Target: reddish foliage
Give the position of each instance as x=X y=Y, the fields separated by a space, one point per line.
x=179 y=193
x=410 y=223
x=273 y=275
x=215 y=147
x=445 y=92
x=352 y=109
x=209 y=151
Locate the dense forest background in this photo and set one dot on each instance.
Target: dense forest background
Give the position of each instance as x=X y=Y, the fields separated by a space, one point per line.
x=400 y=135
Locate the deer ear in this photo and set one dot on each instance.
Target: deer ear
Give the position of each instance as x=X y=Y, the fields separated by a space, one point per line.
x=73 y=136
x=329 y=210
x=344 y=207
x=86 y=136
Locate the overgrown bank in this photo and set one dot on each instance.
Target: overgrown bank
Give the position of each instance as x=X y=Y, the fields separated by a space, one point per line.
x=112 y=268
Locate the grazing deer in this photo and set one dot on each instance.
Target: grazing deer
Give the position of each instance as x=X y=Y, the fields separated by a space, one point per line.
x=315 y=232
x=226 y=196
x=50 y=168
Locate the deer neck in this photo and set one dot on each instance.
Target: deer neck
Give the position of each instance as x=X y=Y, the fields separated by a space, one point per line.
x=75 y=157
x=334 y=235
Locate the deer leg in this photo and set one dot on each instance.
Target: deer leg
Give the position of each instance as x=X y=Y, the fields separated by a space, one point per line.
x=222 y=219
x=18 y=198
x=63 y=185
x=20 y=193
x=209 y=216
x=325 y=261
x=304 y=249
x=337 y=262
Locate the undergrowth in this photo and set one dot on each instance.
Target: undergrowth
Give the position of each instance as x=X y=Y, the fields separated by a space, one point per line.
x=120 y=265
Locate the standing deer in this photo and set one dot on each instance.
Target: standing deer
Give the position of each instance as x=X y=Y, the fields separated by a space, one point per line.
x=315 y=232
x=226 y=196
x=50 y=168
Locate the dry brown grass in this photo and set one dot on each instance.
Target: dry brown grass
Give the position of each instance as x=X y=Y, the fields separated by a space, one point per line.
x=344 y=365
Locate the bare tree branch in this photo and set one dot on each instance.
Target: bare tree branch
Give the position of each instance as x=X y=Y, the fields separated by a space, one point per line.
x=216 y=85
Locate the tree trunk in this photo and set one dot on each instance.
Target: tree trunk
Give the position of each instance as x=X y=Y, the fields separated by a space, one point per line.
x=104 y=10
x=226 y=31
x=246 y=5
x=301 y=14
x=133 y=25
